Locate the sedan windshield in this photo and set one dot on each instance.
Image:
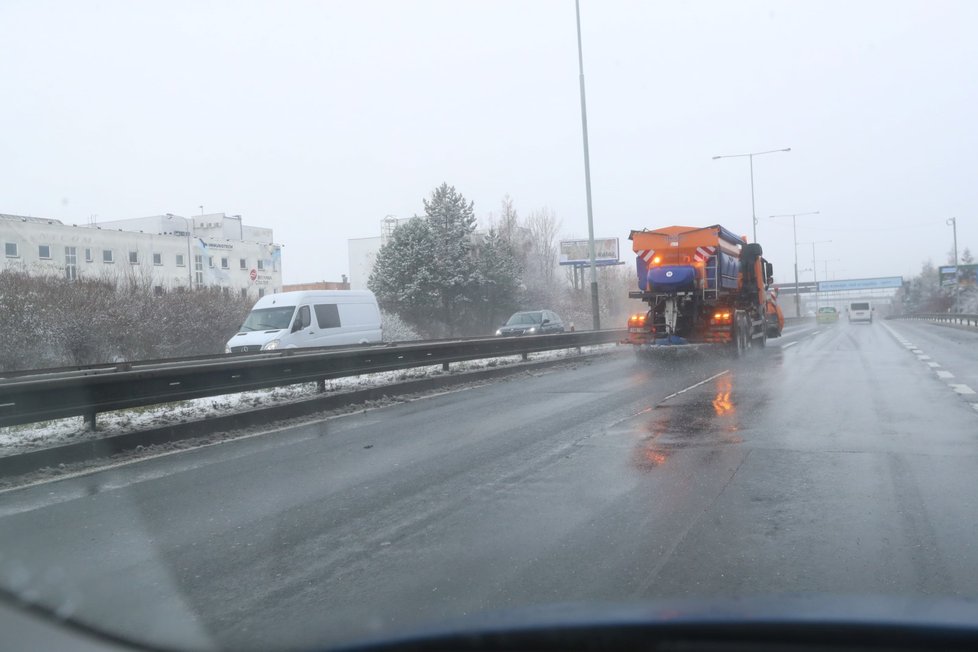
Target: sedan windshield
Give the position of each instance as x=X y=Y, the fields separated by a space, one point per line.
x=266 y=319
x=525 y=318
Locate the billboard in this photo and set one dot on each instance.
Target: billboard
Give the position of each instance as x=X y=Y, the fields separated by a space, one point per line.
x=578 y=252
x=861 y=284
x=963 y=275
x=948 y=275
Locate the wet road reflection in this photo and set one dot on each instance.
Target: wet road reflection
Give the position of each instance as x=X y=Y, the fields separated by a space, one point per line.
x=702 y=420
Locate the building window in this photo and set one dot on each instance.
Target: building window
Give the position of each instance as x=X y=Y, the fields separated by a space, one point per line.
x=225 y=263
x=107 y=256
x=180 y=262
x=198 y=270
x=10 y=249
x=157 y=259
x=244 y=263
x=210 y=262
x=44 y=251
x=261 y=292
x=88 y=255
x=134 y=257
x=244 y=293
x=71 y=263
x=261 y=264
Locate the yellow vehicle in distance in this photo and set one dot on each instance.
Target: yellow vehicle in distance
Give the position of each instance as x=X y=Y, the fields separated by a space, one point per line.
x=826 y=315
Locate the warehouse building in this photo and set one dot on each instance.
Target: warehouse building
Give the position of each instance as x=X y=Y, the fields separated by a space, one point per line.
x=167 y=252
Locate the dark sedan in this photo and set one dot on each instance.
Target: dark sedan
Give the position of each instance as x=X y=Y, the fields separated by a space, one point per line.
x=532 y=322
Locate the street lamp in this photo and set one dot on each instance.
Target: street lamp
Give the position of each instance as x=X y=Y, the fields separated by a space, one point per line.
x=814 y=265
x=826 y=262
x=794 y=232
x=187 y=225
x=595 y=315
x=751 y=156
x=953 y=223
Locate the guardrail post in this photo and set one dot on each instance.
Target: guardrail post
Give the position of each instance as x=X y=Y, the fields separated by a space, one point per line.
x=90 y=421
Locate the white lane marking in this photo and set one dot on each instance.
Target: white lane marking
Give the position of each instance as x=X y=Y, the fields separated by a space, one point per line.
x=933 y=365
x=788 y=345
x=702 y=382
x=959 y=388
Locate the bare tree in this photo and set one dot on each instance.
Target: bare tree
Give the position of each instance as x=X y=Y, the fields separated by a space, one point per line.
x=538 y=252
x=509 y=221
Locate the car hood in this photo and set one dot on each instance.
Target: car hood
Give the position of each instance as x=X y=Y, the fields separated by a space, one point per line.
x=256 y=338
x=824 y=618
x=522 y=328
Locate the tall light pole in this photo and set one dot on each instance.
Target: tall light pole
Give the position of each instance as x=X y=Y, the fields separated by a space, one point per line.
x=751 y=155
x=814 y=266
x=953 y=223
x=794 y=232
x=596 y=317
x=825 y=262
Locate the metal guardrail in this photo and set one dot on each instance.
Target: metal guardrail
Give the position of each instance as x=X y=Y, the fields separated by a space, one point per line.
x=56 y=394
x=962 y=319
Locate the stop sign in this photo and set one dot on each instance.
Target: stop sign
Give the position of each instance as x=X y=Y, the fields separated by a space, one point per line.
x=253 y=275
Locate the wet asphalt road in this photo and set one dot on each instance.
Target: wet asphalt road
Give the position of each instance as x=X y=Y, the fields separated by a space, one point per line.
x=837 y=460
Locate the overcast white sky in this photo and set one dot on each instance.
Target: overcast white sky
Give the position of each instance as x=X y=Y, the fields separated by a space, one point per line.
x=319 y=118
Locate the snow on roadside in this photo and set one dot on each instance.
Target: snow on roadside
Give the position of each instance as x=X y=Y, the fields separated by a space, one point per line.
x=19 y=439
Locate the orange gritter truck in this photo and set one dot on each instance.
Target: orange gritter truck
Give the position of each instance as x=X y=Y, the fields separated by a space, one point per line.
x=703 y=285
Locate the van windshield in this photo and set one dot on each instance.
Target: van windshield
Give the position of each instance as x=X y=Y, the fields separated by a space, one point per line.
x=266 y=319
x=858 y=306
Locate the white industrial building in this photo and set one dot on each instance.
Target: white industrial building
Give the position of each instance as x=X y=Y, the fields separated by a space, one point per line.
x=165 y=251
x=363 y=252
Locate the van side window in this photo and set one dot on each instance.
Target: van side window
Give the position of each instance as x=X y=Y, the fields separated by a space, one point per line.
x=303 y=318
x=327 y=315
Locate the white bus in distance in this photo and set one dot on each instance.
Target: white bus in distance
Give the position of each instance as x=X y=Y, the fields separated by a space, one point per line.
x=291 y=320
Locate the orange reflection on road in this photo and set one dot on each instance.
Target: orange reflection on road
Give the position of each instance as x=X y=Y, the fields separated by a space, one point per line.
x=688 y=424
x=722 y=404
x=651 y=458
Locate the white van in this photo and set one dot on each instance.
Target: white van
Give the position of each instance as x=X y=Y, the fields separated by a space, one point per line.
x=860 y=311
x=290 y=320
